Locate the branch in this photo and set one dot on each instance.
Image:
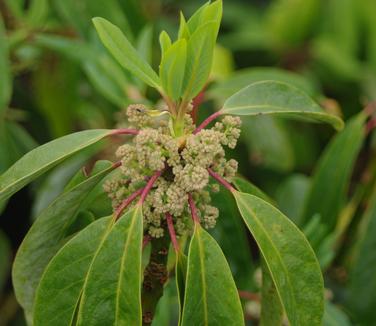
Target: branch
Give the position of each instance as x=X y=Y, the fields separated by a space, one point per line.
x=221 y=180
x=149 y=185
x=171 y=230
x=126 y=202
x=193 y=208
x=206 y=122
x=123 y=131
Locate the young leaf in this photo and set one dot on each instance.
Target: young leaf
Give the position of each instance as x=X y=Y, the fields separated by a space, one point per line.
x=45 y=237
x=211 y=297
x=44 y=157
x=61 y=284
x=119 y=46
x=271 y=97
x=333 y=173
x=172 y=69
x=199 y=59
x=183 y=28
x=112 y=288
x=164 y=42
x=196 y=19
x=290 y=259
x=180 y=278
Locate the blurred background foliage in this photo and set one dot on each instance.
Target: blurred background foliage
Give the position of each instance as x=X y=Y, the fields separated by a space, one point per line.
x=55 y=78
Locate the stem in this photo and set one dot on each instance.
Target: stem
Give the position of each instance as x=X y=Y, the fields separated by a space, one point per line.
x=221 y=180
x=123 y=131
x=155 y=276
x=171 y=230
x=149 y=185
x=249 y=296
x=145 y=241
x=193 y=208
x=371 y=124
x=209 y=119
x=126 y=202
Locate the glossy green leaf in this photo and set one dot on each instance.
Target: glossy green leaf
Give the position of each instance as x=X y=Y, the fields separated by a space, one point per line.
x=333 y=173
x=116 y=270
x=290 y=259
x=5 y=75
x=119 y=46
x=271 y=307
x=184 y=31
x=61 y=285
x=199 y=59
x=211 y=297
x=172 y=69
x=180 y=278
x=46 y=236
x=244 y=185
x=362 y=287
x=271 y=97
x=164 y=42
x=44 y=157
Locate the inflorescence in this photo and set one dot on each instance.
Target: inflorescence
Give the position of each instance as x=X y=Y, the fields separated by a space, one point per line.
x=184 y=162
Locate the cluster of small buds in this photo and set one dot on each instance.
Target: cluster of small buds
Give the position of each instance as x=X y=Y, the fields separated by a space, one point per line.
x=185 y=166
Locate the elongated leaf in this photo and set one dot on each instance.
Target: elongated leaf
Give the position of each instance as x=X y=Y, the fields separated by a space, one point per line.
x=290 y=259
x=211 y=297
x=119 y=46
x=172 y=69
x=116 y=270
x=61 y=285
x=362 y=291
x=333 y=174
x=271 y=307
x=334 y=316
x=271 y=97
x=44 y=157
x=244 y=185
x=5 y=75
x=45 y=237
x=180 y=278
x=164 y=42
x=199 y=59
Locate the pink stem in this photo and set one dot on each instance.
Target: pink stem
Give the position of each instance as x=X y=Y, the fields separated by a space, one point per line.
x=116 y=165
x=146 y=240
x=126 y=202
x=149 y=185
x=171 y=230
x=221 y=180
x=371 y=124
x=207 y=121
x=193 y=208
x=123 y=131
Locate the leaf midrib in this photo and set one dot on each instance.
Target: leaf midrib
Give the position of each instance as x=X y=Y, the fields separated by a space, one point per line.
x=203 y=276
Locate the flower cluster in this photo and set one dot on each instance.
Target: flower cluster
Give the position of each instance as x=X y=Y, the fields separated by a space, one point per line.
x=184 y=161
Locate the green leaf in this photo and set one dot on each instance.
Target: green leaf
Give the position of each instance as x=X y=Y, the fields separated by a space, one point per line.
x=38 y=12
x=5 y=75
x=116 y=271
x=119 y=46
x=290 y=259
x=362 y=288
x=199 y=59
x=44 y=157
x=183 y=28
x=211 y=297
x=172 y=69
x=61 y=285
x=164 y=42
x=333 y=173
x=180 y=278
x=271 y=97
x=46 y=236
x=271 y=307
x=244 y=185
